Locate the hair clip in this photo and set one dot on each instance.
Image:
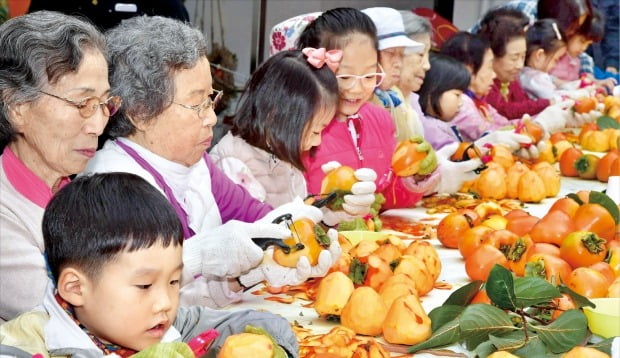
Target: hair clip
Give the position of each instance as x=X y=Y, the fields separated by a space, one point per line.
x=556 y=30
x=319 y=57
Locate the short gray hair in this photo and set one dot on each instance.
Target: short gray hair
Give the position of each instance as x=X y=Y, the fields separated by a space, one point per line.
x=415 y=24
x=38 y=49
x=145 y=52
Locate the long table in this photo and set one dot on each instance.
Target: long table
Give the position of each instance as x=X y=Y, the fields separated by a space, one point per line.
x=453 y=269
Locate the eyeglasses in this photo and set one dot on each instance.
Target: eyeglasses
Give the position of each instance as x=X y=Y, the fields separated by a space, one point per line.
x=88 y=106
x=206 y=104
x=369 y=80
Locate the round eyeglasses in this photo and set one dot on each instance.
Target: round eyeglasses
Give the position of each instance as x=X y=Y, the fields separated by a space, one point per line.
x=369 y=80
x=211 y=101
x=89 y=105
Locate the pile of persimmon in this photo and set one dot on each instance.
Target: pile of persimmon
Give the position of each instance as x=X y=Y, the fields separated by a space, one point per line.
x=506 y=178
x=375 y=287
x=574 y=163
x=577 y=243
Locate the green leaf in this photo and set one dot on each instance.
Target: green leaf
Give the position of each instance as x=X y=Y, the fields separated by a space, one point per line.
x=357 y=271
x=532 y=291
x=509 y=342
x=604 y=122
x=484 y=349
x=606 y=202
x=576 y=198
x=580 y=301
x=479 y=320
x=570 y=329
x=603 y=346
x=500 y=288
x=534 y=347
x=465 y=294
x=444 y=314
x=447 y=334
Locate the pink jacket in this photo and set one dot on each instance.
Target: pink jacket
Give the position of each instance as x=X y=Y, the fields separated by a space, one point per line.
x=472 y=123
x=377 y=143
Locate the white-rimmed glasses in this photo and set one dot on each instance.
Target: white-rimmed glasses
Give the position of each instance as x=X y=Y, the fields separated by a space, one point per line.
x=211 y=101
x=369 y=80
x=89 y=105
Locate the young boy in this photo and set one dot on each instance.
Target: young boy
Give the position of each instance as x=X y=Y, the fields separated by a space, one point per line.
x=114 y=248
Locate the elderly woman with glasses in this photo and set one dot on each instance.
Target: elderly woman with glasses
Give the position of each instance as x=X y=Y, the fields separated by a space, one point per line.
x=54 y=102
x=162 y=134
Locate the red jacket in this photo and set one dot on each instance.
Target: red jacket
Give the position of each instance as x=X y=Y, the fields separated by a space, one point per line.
x=516 y=103
x=377 y=143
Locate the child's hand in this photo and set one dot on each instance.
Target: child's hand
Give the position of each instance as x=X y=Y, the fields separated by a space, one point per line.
x=607 y=84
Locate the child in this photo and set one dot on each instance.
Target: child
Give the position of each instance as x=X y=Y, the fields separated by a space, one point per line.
x=288 y=102
x=393 y=44
x=362 y=134
x=505 y=31
x=544 y=47
x=114 y=249
x=441 y=97
x=568 y=67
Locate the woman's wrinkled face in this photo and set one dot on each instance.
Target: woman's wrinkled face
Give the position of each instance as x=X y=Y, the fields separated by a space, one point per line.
x=391 y=60
x=482 y=81
x=54 y=140
x=179 y=134
x=359 y=58
x=415 y=66
x=507 y=67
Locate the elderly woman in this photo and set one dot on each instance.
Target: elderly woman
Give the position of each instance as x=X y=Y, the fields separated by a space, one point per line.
x=412 y=74
x=162 y=133
x=54 y=102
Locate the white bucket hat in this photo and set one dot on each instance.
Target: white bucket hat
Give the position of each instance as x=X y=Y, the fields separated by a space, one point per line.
x=391 y=30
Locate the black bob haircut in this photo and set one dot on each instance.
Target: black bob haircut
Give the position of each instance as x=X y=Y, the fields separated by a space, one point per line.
x=279 y=103
x=92 y=220
x=542 y=35
x=445 y=74
x=333 y=28
x=467 y=48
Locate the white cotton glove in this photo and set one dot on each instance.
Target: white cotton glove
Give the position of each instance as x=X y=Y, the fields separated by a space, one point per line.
x=277 y=276
x=509 y=139
x=579 y=119
x=555 y=117
x=297 y=208
x=531 y=152
x=454 y=174
x=228 y=250
x=357 y=203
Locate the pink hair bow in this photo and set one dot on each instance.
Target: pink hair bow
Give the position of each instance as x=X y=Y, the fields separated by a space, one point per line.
x=318 y=57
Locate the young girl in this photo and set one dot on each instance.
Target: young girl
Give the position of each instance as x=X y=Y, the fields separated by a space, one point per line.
x=362 y=134
x=287 y=104
x=505 y=31
x=440 y=98
x=544 y=47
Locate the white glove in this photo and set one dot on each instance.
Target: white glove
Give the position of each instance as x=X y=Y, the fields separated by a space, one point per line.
x=533 y=151
x=357 y=203
x=554 y=118
x=454 y=174
x=278 y=276
x=579 y=119
x=297 y=208
x=228 y=250
x=508 y=138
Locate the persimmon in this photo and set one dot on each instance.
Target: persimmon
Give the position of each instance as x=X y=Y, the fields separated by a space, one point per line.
x=502 y=155
x=567 y=162
x=479 y=264
x=558 y=136
x=423 y=250
x=452 y=227
x=522 y=225
x=333 y=293
x=551 y=268
x=560 y=147
x=465 y=151
x=595 y=141
x=582 y=248
x=307 y=233
x=585 y=104
x=585 y=352
x=545 y=248
x=246 y=345
x=388 y=252
x=609 y=165
x=365 y=312
x=500 y=239
x=586 y=166
x=406 y=322
x=516 y=213
x=550 y=178
x=588 y=282
x=604 y=268
x=472 y=239
x=567 y=205
x=406 y=158
x=391 y=290
x=513 y=175
x=481 y=297
x=518 y=253
x=594 y=217
x=563 y=304
x=417 y=270
x=341 y=178
x=552 y=228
